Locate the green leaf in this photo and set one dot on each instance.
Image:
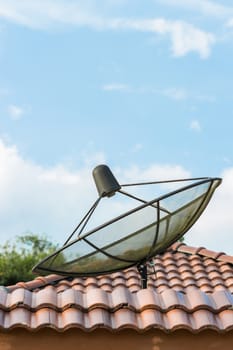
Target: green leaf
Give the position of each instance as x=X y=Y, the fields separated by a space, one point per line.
x=19 y=256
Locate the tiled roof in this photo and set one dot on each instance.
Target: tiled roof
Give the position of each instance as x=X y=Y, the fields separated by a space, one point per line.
x=192 y=288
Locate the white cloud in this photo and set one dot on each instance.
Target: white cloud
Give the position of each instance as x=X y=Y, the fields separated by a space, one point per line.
x=53 y=200
x=195 y=125
x=49 y=200
x=214 y=229
x=184 y=37
x=206 y=7
x=44 y=14
x=15 y=112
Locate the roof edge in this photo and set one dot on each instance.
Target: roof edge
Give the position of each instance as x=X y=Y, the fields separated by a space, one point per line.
x=201 y=251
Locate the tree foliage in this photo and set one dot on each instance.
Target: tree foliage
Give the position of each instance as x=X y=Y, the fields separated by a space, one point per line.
x=19 y=256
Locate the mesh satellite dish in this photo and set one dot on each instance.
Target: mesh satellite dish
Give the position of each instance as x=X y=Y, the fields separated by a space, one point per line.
x=133 y=237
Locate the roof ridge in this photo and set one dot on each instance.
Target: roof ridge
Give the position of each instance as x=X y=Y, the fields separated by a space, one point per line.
x=202 y=251
x=37 y=282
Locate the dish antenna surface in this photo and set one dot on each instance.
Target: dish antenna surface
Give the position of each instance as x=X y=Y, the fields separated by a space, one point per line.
x=134 y=237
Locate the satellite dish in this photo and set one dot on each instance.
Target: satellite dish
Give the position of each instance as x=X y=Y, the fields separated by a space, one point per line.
x=134 y=237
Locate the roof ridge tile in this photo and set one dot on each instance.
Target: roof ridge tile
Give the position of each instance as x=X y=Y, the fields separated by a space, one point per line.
x=36 y=283
x=202 y=251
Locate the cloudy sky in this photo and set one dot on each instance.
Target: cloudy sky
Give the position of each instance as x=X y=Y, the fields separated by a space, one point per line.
x=143 y=86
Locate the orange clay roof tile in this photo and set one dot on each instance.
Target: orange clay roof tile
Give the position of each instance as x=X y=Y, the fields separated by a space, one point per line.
x=189 y=288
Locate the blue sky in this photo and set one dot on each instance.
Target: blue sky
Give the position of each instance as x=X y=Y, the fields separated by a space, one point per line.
x=143 y=86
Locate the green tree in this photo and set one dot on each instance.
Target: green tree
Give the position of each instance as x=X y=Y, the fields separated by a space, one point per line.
x=19 y=256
